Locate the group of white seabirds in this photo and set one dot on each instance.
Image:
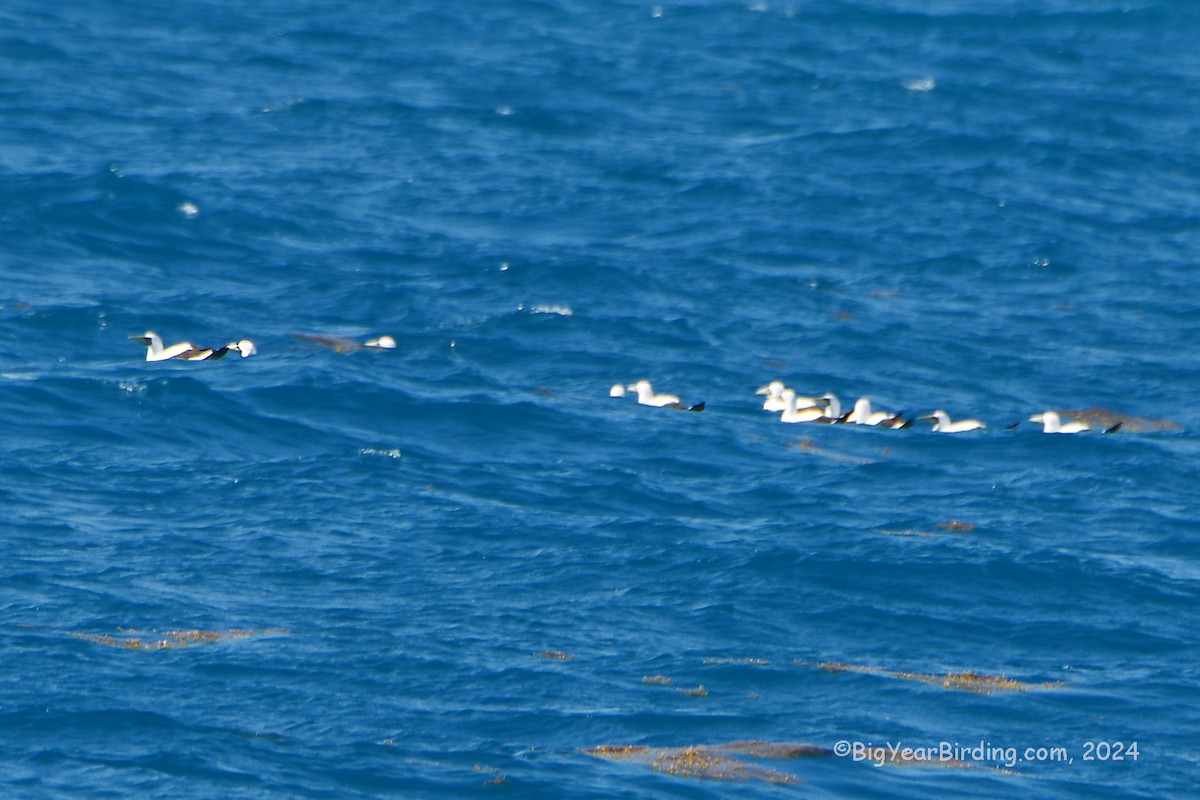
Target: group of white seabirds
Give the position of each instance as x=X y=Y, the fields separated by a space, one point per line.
x=779 y=398
x=827 y=408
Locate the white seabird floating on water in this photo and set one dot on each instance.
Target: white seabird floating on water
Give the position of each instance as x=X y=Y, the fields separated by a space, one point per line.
x=774 y=396
x=863 y=414
x=942 y=423
x=775 y=400
x=794 y=412
x=833 y=407
x=1052 y=423
x=647 y=397
x=156 y=351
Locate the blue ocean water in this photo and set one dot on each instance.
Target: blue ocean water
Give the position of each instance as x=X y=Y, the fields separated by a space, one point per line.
x=454 y=568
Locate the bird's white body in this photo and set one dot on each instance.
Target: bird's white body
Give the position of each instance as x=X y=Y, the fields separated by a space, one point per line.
x=156 y=351
x=794 y=412
x=647 y=397
x=774 y=396
x=833 y=406
x=943 y=424
x=864 y=414
x=1052 y=423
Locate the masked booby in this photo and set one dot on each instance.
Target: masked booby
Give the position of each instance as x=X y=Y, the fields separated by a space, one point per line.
x=942 y=423
x=833 y=407
x=647 y=397
x=864 y=414
x=794 y=412
x=156 y=351
x=1052 y=423
x=774 y=396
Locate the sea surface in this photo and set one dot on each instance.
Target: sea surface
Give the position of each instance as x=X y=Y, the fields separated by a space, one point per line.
x=459 y=568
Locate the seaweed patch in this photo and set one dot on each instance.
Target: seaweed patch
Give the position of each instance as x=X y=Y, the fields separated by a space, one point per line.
x=132 y=639
x=754 y=662
x=1104 y=418
x=776 y=750
x=902 y=532
x=955 y=525
x=714 y=762
x=809 y=446
x=978 y=682
x=496 y=777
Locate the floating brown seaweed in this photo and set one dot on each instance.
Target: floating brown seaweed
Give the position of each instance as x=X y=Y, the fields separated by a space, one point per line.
x=1104 y=418
x=661 y=680
x=703 y=762
x=777 y=750
x=714 y=762
x=556 y=655
x=339 y=344
x=618 y=752
x=131 y=639
x=809 y=446
x=756 y=662
x=496 y=778
x=695 y=691
x=344 y=344
x=724 y=761
x=948 y=525
x=978 y=682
